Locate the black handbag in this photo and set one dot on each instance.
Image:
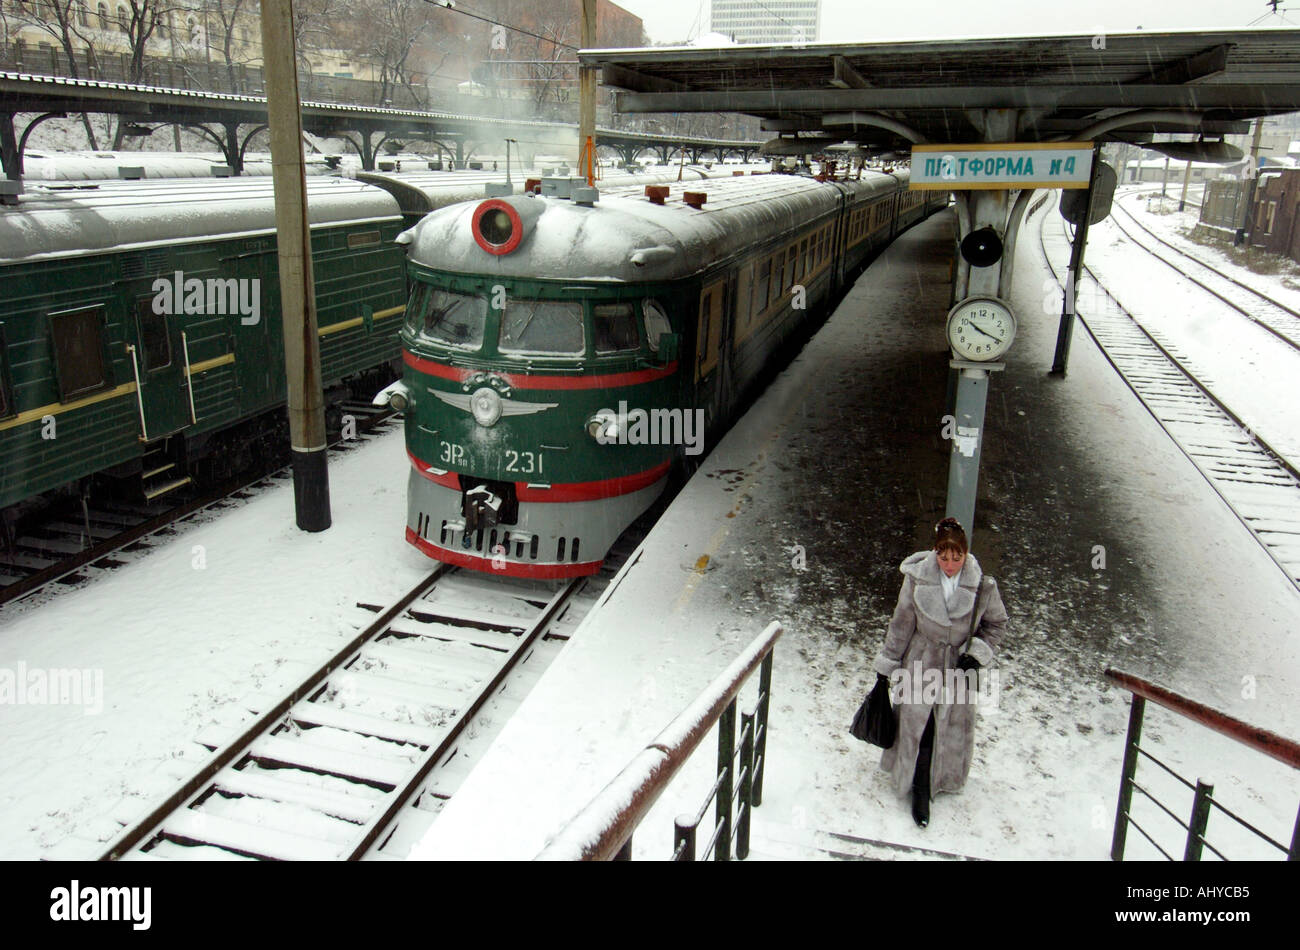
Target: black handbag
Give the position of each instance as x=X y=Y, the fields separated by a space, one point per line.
x=876 y=721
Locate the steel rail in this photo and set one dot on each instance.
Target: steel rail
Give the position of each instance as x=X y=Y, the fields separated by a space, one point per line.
x=399 y=797
x=1291 y=342
x=132 y=836
x=1201 y=390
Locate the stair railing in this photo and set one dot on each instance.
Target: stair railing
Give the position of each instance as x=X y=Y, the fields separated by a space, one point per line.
x=1261 y=740
x=603 y=830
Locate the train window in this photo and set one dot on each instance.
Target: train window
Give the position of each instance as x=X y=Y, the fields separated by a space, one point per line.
x=656 y=323
x=761 y=287
x=78 y=337
x=804 y=256
x=155 y=342
x=542 y=326
x=709 y=330
x=614 y=328
x=362 y=238
x=450 y=319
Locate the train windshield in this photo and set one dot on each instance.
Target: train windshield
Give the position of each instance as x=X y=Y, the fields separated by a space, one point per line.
x=450 y=319
x=542 y=326
x=614 y=326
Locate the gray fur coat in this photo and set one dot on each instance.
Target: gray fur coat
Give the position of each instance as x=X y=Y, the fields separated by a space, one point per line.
x=923 y=642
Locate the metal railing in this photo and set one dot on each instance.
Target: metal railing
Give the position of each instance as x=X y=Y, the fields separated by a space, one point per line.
x=1261 y=740
x=603 y=830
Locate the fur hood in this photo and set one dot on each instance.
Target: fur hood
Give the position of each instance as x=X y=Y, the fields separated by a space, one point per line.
x=923 y=568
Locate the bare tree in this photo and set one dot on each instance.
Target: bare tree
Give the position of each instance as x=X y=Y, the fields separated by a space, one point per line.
x=68 y=22
x=230 y=16
x=391 y=39
x=550 y=76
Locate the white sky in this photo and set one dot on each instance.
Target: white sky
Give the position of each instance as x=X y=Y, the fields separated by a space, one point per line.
x=862 y=20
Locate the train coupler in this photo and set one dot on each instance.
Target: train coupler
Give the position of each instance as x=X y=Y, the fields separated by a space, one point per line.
x=482 y=510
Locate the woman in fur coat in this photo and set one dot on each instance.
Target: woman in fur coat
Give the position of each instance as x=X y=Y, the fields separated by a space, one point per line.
x=923 y=654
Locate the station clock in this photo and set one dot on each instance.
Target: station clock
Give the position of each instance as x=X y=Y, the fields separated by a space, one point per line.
x=981 y=329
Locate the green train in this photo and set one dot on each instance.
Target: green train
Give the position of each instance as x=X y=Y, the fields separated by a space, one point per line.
x=140 y=333
x=562 y=354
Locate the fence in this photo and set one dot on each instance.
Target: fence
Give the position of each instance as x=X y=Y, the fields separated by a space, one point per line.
x=1203 y=801
x=1222 y=206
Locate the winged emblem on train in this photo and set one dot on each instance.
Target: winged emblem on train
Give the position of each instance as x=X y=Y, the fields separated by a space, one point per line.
x=487 y=405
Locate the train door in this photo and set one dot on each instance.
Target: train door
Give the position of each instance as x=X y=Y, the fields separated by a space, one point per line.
x=157 y=350
x=259 y=345
x=708 y=349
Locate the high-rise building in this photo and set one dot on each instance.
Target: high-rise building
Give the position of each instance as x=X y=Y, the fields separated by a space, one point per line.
x=766 y=21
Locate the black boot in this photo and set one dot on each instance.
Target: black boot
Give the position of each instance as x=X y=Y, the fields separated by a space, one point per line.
x=921 y=779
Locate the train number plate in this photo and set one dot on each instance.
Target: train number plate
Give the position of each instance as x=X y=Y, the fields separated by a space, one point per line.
x=525 y=463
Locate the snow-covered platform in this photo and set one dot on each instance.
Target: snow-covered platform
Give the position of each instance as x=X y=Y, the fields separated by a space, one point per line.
x=1109 y=547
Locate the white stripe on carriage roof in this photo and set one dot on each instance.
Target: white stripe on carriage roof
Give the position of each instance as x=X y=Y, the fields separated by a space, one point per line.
x=423 y=191
x=572 y=242
x=70 y=220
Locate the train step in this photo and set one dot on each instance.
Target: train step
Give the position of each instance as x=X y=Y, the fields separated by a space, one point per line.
x=151 y=493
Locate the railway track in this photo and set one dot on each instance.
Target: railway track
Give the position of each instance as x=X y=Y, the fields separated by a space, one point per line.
x=1258 y=484
x=69 y=546
x=357 y=761
x=1255 y=305
x=359 y=748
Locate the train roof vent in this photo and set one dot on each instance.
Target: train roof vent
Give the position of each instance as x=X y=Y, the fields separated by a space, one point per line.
x=656 y=193
x=498 y=189
x=130 y=172
x=695 y=199
x=556 y=187
x=585 y=195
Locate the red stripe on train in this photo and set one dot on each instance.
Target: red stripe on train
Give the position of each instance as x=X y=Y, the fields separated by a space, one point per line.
x=508 y=568
x=519 y=381
x=571 y=491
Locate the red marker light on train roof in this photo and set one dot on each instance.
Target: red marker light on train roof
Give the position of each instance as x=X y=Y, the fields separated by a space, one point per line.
x=497 y=227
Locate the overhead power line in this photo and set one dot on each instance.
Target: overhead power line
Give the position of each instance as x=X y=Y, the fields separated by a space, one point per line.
x=450 y=5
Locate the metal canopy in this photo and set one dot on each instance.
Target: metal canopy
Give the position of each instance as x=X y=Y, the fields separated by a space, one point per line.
x=890 y=94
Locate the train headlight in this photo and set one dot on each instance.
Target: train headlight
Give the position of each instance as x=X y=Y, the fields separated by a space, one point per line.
x=485 y=405
x=603 y=427
x=497 y=227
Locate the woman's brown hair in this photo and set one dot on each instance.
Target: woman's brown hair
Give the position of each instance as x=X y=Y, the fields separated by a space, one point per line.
x=950 y=536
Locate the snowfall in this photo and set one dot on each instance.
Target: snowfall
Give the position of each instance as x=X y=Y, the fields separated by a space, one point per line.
x=232 y=610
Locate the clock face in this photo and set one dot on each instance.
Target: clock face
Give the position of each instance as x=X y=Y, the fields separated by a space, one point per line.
x=981 y=328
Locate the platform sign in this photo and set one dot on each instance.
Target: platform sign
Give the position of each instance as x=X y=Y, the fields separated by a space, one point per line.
x=1001 y=165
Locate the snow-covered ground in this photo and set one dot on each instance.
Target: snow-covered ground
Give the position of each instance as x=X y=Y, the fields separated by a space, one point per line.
x=1242 y=363
x=241 y=606
x=229 y=612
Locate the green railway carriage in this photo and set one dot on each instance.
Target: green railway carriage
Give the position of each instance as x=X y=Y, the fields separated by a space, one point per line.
x=140 y=326
x=562 y=355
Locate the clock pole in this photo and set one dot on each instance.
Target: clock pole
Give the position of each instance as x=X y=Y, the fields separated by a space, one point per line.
x=967 y=438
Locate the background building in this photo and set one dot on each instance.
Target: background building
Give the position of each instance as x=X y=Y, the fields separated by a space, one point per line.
x=766 y=21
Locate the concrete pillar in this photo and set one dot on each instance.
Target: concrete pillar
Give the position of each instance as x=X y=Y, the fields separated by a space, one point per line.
x=306 y=403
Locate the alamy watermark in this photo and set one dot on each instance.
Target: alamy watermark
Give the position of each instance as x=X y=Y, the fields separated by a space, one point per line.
x=78 y=902
x=683 y=427
x=953 y=687
x=179 y=294
x=35 y=686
